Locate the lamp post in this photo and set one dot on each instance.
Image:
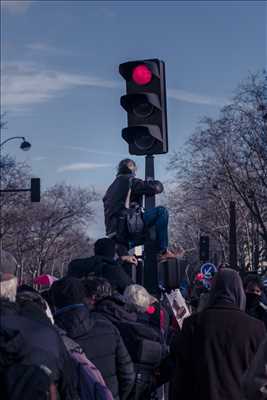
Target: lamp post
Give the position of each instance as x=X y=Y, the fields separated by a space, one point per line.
x=25 y=146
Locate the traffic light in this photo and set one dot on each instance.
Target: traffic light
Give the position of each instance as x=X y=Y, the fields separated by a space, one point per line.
x=35 y=190
x=145 y=103
x=204 y=248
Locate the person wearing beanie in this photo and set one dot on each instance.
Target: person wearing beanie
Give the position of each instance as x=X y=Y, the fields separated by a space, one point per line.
x=103 y=264
x=99 y=339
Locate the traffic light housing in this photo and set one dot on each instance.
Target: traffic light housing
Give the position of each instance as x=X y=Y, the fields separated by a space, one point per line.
x=204 y=248
x=35 y=190
x=145 y=103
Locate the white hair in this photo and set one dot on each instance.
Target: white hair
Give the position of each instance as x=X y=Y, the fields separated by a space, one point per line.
x=8 y=289
x=138 y=295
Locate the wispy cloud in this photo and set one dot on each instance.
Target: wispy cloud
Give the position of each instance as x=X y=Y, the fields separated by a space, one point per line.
x=82 y=167
x=39 y=158
x=40 y=47
x=92 y=151
x=27 y=84
x=189 y=97
x=16 y=6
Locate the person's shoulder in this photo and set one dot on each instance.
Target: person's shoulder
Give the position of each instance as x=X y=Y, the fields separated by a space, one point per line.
x=252 y=322
x=103 y=324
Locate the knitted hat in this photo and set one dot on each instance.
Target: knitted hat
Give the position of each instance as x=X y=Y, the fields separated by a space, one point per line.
x=67 y=291
x=105 y=247
x=8 y=265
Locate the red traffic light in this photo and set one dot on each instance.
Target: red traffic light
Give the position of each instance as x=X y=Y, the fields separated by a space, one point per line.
x=142 y=75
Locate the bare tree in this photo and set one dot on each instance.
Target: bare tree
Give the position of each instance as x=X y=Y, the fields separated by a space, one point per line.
x=226 y=159
x=43 y=236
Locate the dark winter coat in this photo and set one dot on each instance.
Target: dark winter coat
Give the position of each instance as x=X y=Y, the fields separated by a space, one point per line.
x=103 y=267
x=255 y=379
x=41 y=344
x=141 y=340
x=102 y=345
x=135 y=334
x=114 y=199
x=255 y=308
x=217 y=345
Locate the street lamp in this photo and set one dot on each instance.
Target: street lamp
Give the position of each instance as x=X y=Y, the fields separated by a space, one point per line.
x=25 y=146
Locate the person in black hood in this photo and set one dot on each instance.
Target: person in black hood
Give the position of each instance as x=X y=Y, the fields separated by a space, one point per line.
x=254 y=290
x=99 y=339
x=102 y=264
x=114 y=204
x=217 y=345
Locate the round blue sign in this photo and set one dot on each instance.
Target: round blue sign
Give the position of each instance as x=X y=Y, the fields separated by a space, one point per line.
x=208 y=270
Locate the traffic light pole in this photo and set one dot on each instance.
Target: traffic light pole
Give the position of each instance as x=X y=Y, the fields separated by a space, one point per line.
x=150 y=201
x=150 y=251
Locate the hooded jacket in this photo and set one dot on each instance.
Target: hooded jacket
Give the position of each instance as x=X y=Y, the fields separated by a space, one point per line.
x=217 y=345
x=102 y=345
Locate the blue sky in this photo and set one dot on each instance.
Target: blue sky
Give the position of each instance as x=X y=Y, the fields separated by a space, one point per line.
x=60 y=84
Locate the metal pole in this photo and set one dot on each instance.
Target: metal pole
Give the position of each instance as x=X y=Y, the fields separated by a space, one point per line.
x=150 y=251
x=232 y=236
x=150 y=201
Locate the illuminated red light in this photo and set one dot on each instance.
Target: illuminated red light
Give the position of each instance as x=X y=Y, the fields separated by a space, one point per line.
x=141 y=75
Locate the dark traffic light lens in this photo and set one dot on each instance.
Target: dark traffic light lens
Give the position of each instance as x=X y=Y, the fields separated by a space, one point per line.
x=144 y=142
x=141 y=75
x=143 y=110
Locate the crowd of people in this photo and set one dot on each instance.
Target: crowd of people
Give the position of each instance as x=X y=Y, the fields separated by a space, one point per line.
x=94 y=334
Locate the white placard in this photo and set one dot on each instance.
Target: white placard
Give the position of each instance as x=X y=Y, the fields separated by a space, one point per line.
x=178 y=305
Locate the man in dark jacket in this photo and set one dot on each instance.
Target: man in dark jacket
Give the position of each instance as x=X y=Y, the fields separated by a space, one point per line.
x=102 y=264
x=99 y=339
x=217 y=345
x=114 y=203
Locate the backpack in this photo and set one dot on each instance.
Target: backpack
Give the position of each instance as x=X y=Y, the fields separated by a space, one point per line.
x=91 y=385
x=130 y=221
x=142 y=342
x=24 y=382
